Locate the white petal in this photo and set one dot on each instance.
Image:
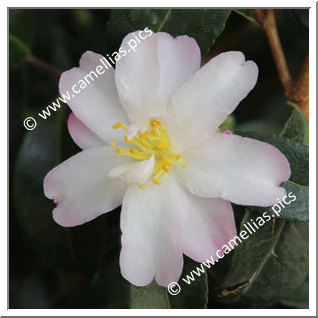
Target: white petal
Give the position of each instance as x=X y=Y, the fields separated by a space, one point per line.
x=209 y=224
x=136 y=79
x=147 y=78
x=179 y=58
x=207 y=98
x=134 y=173
x=242 y=170
x=151 y=224
x=82 y=135
x=81 y=188
x=97 y=105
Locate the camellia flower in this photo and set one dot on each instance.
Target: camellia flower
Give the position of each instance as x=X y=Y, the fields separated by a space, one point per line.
x=148 y=130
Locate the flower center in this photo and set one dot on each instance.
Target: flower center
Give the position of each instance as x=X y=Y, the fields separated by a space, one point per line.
x=154 y=141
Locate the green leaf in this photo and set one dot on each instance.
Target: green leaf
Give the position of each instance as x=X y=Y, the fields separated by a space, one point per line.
x=299 y=209
x=269 y=265
x=302 y=17
x=299 y=298
x=18 y=51
x=297 y=125
x=296 y=154
x=298 y=158
x=149 y=297
x=193 y=295
x=247 y=14
x=39 y=153
x=204 y=25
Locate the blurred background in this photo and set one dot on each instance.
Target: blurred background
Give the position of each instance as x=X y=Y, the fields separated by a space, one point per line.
x=55 y=267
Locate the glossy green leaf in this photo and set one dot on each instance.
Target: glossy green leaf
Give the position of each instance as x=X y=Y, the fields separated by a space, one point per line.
x=39 y=153
x=297 y=125
x=269 y=265
x=247 y=14
x=149 y=297
x=193 y=292
x=299 y=298
x=205 y=25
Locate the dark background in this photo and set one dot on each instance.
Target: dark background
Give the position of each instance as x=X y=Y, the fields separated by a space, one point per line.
x=55 y=267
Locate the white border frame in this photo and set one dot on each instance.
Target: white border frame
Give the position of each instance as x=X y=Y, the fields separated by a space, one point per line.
x=157 y=312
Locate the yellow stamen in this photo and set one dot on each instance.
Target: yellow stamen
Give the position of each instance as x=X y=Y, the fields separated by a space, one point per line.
x=144 y=135
x=166 y=167
x=127 y=140
x=152 y=142
x=161 y=145
x=117 y=125
x=154 y=123
x=132 y=151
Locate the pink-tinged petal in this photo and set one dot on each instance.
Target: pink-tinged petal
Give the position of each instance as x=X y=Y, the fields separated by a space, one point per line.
x=242 y=170
x=96 y=105
x=147 y=78
x=151 y=224
x=82 y=135
x=81 y=188
x=208 y=97
x=209 y=225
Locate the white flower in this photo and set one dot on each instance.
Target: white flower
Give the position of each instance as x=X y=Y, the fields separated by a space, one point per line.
x=174 y=174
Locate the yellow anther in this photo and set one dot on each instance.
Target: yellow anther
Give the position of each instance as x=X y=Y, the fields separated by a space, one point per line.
x=156 y=181
x=127 y=140
x=154 y=132
x=112 y=143
x=184 y=165
x=179 y=156
x=117 y=125
x=141 y=186
x=166 y=167
x=132 y=151
x=161 y=145
x=167 y=160
x=144 y=135
x=154 y=123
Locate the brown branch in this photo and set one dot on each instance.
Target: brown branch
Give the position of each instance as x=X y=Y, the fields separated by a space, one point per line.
x=297 y=92
x=300 y=93
x=267 y=19
x=44 y=66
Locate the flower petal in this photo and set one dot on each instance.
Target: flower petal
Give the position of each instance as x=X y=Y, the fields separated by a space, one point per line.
x=96 y=105
x=151 y=224
x=81 y=188
x=82 y=135
x=209 y=224
x=207 y=98
x=134 y=173
x=147 y=78
x=179 y=58
x=242 y=170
